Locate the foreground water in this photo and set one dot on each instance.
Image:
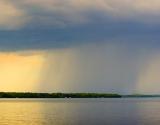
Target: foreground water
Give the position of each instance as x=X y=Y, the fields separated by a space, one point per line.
x=122 y=111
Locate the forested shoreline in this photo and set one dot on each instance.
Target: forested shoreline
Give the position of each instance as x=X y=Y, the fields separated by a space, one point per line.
x=57 y=95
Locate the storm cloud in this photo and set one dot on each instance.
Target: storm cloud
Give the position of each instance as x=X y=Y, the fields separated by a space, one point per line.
x=82 y=46
x=38 y=24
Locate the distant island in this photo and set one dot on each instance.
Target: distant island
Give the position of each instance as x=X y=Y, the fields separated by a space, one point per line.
x=70 y=95
x=57 y=95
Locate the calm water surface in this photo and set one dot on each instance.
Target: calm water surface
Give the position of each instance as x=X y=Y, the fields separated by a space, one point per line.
x=125 y=111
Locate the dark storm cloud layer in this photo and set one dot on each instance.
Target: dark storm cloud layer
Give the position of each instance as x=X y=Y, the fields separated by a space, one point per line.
x=67 y=23
x=48 y=38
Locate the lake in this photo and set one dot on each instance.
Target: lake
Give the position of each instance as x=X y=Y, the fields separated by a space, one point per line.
x=118 y=111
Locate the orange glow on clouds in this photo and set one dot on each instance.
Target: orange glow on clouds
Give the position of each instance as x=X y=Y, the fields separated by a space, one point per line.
x=19 y=72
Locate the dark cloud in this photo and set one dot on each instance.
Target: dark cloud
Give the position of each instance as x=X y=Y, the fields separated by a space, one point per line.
x=133 y=34
x=62 y=24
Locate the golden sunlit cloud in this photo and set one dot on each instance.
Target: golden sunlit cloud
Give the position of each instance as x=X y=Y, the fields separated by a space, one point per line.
x=16 y=14
x=19 y=73
x=10 y=16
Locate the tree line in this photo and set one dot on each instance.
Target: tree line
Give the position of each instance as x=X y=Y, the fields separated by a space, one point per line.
x=57 y=95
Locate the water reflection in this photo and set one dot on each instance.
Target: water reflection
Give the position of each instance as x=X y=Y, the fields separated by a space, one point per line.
x=79 y=111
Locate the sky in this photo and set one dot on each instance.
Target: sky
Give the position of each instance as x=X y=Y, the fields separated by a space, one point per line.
x=80 y=46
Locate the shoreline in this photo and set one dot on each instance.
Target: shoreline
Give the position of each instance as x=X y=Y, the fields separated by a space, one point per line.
x=71 y=95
